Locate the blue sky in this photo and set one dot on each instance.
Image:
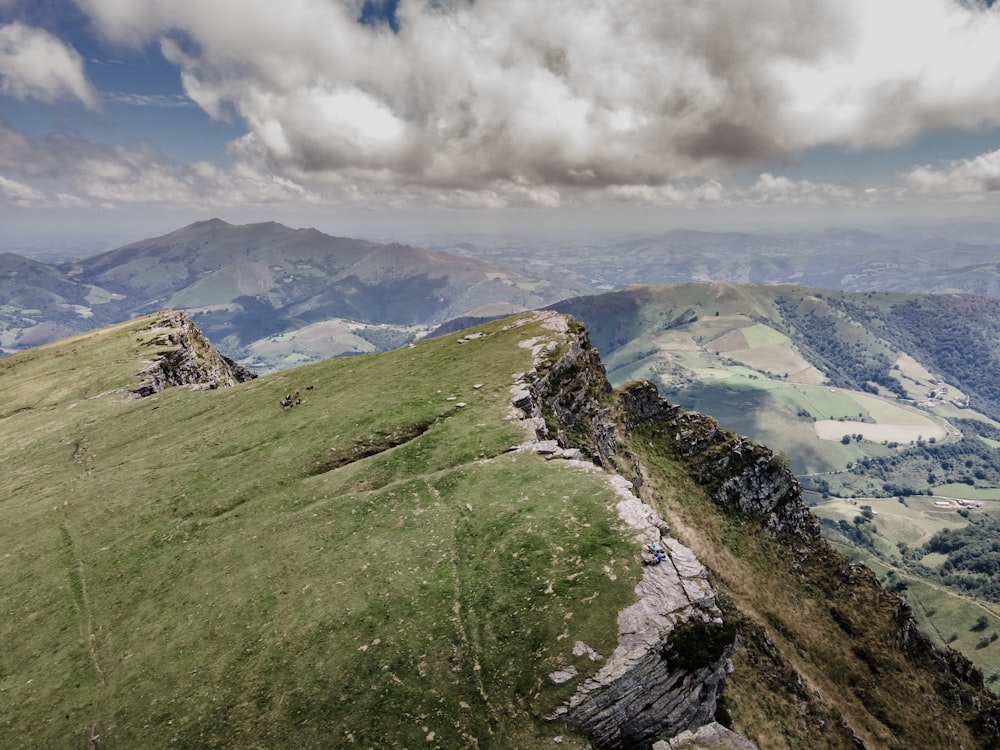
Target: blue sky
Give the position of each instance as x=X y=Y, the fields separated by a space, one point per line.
x=375 y=117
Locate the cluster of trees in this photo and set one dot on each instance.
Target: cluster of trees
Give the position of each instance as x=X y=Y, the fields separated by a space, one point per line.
x=916 y=469
x=973 y=557
x=861 y=533
x=848 y=354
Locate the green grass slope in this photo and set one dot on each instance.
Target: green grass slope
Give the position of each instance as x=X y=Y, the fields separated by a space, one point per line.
x=370 y=568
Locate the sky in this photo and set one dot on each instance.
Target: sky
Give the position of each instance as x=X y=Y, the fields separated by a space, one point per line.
x=379 y=117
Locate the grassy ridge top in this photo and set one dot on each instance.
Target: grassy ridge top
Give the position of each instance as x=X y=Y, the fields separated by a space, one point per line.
x=208 y=569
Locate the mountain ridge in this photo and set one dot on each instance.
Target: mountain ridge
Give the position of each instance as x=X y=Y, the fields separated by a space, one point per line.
x=254 y=287
x=357 y=567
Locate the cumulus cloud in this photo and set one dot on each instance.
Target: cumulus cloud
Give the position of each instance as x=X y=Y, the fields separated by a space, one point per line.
x=18 y=193
x=519 y=103
x=572 y=96
x=772 y=189
x=34 y=63
x=58 y=169
x=959 y=178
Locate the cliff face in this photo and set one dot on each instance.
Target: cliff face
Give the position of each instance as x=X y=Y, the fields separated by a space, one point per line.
x=742 y=477
x=190 y=360
x=666 y=679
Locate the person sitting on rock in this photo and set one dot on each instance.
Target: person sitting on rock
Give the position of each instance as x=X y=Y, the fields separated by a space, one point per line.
x=657 y=552
x=651 y=554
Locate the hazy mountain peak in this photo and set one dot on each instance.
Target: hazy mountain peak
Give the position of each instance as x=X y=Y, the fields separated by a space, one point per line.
x=214 y=223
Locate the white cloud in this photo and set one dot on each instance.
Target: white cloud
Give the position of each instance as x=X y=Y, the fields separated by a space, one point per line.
x=899 y=69
x=63 y=170
x=710 y=192
x=162 y=101
x=18 y=193
x=565 y=95
x=960 y=178
x=772 y=189
x=34 y=63
x=520 y=103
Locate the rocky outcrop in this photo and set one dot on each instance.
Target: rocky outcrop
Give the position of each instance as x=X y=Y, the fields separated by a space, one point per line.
x=673 y=648
x=565 y=395
x=712 y=736
x=742 y=477
x=186 y=358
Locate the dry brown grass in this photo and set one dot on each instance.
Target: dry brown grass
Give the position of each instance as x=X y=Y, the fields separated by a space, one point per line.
x=817 y=661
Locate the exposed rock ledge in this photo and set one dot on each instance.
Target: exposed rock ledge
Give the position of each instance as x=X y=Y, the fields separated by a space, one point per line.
x=673 y=648
x=191 y=361
x=652 y=686
x=712 y=736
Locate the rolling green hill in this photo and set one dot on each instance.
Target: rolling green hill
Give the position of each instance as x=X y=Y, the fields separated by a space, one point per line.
x=210 y=567
x=376 y=565
x=843 y=383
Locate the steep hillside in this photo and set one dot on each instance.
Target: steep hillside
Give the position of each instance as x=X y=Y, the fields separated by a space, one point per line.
x=881 y=403
x=438 y=546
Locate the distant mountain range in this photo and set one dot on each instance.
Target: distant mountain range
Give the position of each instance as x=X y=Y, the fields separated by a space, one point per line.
x=266 y=294
x=954 y=257
x=272 y=297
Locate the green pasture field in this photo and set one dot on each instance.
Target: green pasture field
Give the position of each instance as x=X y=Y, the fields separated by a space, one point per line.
x=369 y=568
x=891 y=412
x=934 y=559
x=759 y=336
x=965 y=492
x=913 y=376
x=777 y=360
x=674 y=340
x=709 y=328
x=913 y=523
x=823 y=402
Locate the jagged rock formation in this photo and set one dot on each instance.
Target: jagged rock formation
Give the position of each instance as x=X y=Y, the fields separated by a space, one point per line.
x=191 y=361
x=565 y=394
x=712 y=736
x=742 y=476
x=673 y=649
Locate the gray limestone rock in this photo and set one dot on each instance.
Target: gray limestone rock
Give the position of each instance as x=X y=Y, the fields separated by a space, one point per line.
x=661 y=679
x=190 y=361
x=712 y=736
